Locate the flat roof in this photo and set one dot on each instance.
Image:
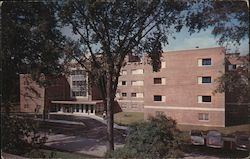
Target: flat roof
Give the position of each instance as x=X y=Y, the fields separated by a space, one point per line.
x=76 y=102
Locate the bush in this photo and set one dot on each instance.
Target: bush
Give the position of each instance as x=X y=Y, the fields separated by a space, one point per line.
x=157 y=138
x=20 y=135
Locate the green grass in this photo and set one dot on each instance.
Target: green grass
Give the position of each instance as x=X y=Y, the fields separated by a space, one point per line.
x=127 y=118
x=225 y=130
x=42 y=153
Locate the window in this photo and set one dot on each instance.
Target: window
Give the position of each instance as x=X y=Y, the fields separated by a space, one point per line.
x=136 y=71
x=124 y=94
x=232 y=67
x=124 y=83
x=203 y=116
x=159 y=98
x=26 y=82
x=137 y=83
x=26 y=106
x=205 y=79
x=133 y=94
x=159 y=113
x=159 y=80
x=124 y=72
x=78 y=72
x=163 y=64
x=137 y=95
x=79 y=93
x=204 y=99
x=205 y=62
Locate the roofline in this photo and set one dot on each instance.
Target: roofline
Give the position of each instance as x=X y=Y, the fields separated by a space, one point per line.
x=194 y=49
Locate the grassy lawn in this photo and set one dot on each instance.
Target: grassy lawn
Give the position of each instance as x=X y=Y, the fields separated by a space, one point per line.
x=55 y=154
x=226 y=130
x=127 y=118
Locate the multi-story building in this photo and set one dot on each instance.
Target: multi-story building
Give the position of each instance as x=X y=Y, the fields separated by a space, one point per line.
x=182 y=88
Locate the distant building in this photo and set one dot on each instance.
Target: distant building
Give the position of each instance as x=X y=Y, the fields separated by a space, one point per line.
x=182 y=89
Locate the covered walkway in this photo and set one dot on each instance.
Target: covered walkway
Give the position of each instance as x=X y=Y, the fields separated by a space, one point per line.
x=78 y=107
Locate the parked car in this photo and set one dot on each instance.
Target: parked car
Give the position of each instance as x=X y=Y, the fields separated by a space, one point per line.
x=242 y=142
x=214 y=139
x=197 y=137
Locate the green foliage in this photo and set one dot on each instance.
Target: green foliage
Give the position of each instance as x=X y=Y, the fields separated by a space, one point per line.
x=20 y=135
x=31 y=43
x=156 y=138
x=235 y=84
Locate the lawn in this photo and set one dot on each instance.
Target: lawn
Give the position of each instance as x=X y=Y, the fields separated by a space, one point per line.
x=225 y=130
x=127 y=118
x=55 y=154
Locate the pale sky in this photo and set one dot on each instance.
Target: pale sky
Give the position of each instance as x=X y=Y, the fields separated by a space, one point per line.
x=203 y=39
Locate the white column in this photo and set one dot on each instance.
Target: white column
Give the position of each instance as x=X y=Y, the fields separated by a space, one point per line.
x=94 y=109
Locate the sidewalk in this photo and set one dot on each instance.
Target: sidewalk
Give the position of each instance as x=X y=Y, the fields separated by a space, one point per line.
x=78 y=144
x=80 y=123
x=60 y=121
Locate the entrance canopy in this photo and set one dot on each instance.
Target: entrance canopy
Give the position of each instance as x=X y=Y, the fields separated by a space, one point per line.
x=77 y=102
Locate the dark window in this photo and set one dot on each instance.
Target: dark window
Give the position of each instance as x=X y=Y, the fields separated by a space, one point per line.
x=157 y=98
x=159 y=113
x=123 y=83
x=206 y=79
x=203 y=116
x=206 y=98
x=133 y=94
x=157 y=80
x=206 y=61
x=124 y=94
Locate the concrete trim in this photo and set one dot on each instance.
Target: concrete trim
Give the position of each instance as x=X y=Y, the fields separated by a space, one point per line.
x=184 y=108
x=131 y=101
x=201 y=124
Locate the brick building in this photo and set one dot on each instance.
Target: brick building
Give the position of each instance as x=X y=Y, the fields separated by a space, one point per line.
x=183 y=89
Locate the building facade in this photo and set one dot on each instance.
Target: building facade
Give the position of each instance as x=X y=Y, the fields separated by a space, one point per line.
x=182 y=89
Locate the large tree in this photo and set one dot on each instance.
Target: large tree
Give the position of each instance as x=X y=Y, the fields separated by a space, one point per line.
x=110 y=30
x=31 y=42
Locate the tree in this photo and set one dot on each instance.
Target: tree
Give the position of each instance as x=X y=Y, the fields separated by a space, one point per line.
x=229 y=20
x=109 y=31
x=156 y=138
x=20 y=135
x=31 y=43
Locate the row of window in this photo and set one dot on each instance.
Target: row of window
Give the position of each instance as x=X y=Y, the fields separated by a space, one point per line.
x=161 y=98
x=79 y=93
x=79 y=83
x=133 y=94
x=78 y=72
x=201 y=62
x=201 y=80
x=201 y=99
x=201 y=116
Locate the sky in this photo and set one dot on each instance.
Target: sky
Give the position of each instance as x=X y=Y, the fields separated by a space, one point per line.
x=183 y=40
x=203 y=39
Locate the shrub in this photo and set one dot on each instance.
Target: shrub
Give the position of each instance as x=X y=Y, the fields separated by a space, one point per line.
x=156 y=138
x=20 y=135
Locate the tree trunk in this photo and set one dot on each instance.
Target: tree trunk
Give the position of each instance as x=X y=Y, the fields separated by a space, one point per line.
x=110 y=115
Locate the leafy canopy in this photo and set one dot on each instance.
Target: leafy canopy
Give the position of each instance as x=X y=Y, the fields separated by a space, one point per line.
x=156 y=138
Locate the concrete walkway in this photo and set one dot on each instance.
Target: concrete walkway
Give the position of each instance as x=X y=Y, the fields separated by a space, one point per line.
x=78 y=144
x=88 y=116
x=61 y=121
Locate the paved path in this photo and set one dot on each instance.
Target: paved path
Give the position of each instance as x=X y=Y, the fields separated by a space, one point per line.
x=96 y=118
x=78 y=144
x=61 y=121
